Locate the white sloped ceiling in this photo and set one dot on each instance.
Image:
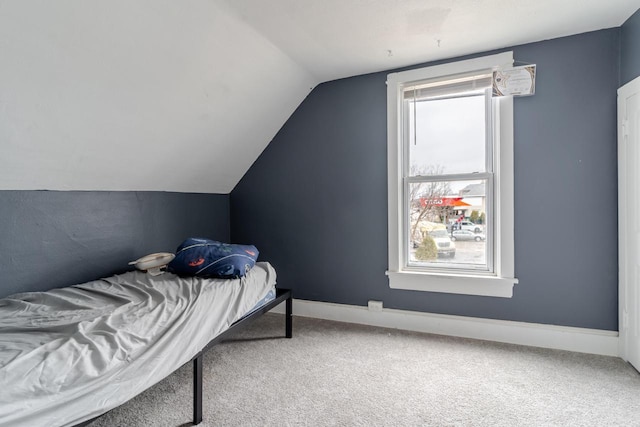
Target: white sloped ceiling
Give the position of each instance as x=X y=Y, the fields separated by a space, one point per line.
x=137 y=95
x=338 y=38
x=184 y=95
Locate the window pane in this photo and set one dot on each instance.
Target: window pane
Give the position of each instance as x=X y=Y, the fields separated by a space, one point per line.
x=447 y=136
x=447 y=223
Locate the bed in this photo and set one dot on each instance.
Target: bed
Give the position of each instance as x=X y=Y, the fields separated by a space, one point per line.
x=69 y=355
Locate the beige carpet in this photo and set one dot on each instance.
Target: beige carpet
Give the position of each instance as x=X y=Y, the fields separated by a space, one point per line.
x=338 y=374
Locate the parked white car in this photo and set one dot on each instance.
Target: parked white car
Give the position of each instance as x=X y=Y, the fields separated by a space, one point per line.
x=466 y=225
x=466 y=235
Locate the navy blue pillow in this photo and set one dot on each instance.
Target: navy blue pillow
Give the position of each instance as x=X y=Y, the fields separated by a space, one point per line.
x=209 y=258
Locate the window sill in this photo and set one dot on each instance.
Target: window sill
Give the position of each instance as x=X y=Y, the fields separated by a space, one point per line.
x=452 y=283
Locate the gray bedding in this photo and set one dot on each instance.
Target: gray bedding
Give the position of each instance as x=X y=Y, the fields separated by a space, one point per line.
x=70 y=354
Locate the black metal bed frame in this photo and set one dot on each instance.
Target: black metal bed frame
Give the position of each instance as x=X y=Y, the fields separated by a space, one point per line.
x=282 y=295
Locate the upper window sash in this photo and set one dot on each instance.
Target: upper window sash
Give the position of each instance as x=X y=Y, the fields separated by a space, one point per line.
x=405 y=136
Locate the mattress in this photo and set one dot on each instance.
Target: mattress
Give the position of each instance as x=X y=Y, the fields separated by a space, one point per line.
x=71 y=354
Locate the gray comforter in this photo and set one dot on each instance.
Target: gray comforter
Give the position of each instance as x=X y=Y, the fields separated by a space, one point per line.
x=70 y=354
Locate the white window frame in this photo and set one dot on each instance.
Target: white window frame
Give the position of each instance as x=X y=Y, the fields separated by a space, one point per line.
x=501 y=281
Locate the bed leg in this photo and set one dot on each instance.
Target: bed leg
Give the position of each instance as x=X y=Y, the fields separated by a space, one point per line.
x=289 y=314
x=197 y=389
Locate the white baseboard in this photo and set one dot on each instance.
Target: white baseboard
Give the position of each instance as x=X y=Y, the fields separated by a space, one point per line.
x=581 y=340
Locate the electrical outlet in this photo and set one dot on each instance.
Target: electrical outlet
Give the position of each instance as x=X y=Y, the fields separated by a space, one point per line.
x=375 y=306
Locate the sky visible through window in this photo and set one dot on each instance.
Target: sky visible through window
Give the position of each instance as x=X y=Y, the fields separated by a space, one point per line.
x=450 y=136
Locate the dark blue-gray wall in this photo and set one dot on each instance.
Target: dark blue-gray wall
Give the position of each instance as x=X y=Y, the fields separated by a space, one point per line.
x=51 y=239
x=315 y=202
x=630 y=49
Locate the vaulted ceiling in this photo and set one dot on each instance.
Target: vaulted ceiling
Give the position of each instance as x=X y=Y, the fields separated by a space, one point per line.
x=184 y=95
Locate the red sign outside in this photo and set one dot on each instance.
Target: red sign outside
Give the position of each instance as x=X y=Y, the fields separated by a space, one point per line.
x=442 y=201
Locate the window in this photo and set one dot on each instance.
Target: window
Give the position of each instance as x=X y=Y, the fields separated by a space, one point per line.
x=450 y=149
